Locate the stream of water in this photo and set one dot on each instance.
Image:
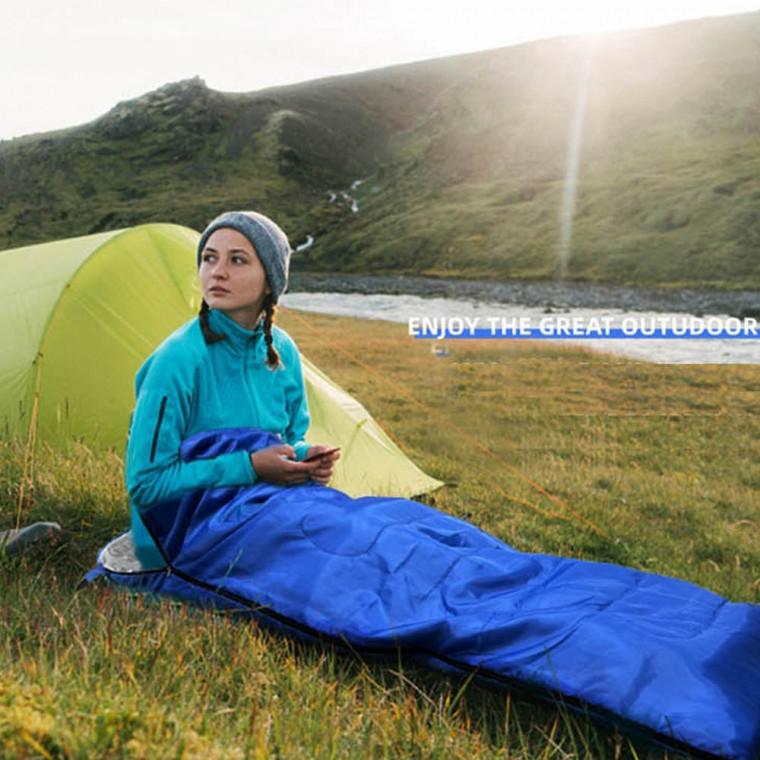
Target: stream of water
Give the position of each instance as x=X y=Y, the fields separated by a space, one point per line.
x=401 y=306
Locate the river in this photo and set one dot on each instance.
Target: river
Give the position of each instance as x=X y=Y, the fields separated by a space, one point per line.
x=397 y=299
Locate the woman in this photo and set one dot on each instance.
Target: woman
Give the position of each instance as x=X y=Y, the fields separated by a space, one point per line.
x=229 y=368
x=227 y=512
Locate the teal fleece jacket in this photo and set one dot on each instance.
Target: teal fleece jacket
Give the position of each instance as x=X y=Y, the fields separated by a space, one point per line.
x=185 y=387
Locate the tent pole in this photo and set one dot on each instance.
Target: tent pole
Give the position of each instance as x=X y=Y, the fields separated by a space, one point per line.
x=27 y=473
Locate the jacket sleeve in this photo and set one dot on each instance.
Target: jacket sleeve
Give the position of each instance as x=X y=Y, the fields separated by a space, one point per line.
x=298 y=407
x=154 y=471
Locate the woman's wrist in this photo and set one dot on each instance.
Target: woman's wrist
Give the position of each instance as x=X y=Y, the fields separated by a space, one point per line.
x=301 y=450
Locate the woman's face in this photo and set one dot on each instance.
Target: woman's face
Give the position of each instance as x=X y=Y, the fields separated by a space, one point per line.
x=232 y=277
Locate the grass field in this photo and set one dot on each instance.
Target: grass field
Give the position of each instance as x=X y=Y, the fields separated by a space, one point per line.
x=652 y=466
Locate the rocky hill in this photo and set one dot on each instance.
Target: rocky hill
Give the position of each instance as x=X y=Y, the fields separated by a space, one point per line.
x=455 y=166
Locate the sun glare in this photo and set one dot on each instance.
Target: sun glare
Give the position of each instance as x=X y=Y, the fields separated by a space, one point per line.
x=547 y=18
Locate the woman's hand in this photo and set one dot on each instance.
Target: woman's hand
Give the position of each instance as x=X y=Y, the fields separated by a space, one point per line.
x=277 y=464
x=324 y=464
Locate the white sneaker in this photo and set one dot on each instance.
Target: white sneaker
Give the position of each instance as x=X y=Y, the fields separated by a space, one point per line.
x=16 y=541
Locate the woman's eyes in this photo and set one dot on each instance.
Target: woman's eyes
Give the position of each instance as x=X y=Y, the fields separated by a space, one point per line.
x=212 y=256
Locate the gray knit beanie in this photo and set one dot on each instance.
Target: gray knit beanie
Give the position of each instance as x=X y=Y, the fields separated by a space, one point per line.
x=269 y=241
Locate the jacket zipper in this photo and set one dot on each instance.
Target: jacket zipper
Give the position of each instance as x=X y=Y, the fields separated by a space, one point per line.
x=158 y=425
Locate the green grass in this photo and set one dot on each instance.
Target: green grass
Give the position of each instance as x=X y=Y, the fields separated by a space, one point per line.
x=662 y=459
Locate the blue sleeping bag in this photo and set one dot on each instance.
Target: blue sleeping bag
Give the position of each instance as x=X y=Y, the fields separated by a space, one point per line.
x=658 y=657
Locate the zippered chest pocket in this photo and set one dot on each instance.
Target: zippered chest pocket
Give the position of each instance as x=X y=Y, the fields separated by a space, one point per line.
x=159 y=420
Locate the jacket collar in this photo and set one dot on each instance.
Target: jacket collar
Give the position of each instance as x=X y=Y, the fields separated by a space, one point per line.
x=239 y=338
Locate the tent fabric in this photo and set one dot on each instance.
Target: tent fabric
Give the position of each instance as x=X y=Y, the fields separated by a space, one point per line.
x=659 y=657
x=80 y=316
x=87 y=311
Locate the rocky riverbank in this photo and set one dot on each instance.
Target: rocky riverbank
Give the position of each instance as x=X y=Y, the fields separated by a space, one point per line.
x=541 y=294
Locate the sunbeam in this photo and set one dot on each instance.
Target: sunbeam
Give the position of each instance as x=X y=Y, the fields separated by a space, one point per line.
x=574 y=145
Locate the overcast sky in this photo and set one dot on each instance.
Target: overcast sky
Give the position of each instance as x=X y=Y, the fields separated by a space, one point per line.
x=65 y=63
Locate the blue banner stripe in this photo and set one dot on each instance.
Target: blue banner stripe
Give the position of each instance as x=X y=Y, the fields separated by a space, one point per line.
x=615 y=333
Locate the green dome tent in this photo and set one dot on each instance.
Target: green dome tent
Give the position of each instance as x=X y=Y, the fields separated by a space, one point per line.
x=81 y=315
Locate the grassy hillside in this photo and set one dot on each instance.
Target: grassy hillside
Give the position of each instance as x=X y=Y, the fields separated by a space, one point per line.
x=662 y=460
x=463 y=160
x=178 y=154
x=669 y=176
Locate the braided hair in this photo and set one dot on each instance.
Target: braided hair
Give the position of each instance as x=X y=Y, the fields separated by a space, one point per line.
x=208 y=334
x=273 y=358
x=269 y=309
